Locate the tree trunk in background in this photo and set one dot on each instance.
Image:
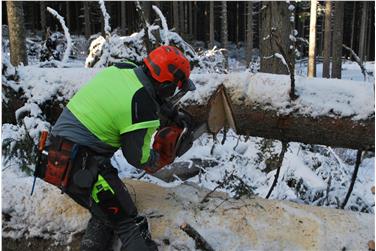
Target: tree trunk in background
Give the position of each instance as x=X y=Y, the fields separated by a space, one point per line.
x=146 y=6
x=312 y=40
x=211 y=25
x=249 y=32
x=237 y=24
x=337 y=39
x=87 y=20
x=181 y=18
x=122 y=18
x=276 y=15
x=363 y=28
x=224 y=31
x=17 y=42
x=327 y=39
x=190 y=14
x=68 y=15
x=175 y=7
x=43 y=18
x=353 y=26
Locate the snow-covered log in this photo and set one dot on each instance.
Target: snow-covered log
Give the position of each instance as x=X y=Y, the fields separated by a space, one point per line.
x=327 y=112
x=225 y=223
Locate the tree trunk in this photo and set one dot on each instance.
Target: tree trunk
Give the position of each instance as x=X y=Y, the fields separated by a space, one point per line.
x=17 y=42
x=87 y=20
x=224 y=30
x=337 y=39
x=275 y=15
x=146 y=6
x=249 y=32
x=43 y=18
x=175 y=7
x=327 y=39
x=363 y=30
x=353 y=26
x=122 y=18
x=190 y=14
x=181 y=18
x=312 y=40
x=251 y=120
x=211 y=25
x=68 y=15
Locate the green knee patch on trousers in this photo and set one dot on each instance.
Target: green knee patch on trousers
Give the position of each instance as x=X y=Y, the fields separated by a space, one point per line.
x=101 y=186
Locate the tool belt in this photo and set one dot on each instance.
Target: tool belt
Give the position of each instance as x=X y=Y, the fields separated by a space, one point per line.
x=56 y=167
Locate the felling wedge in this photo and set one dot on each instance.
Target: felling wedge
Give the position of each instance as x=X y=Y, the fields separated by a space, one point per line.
x=220 y=116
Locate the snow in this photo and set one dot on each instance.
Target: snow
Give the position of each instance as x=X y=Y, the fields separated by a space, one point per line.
x=107 y=28
x=317 y=96
x=68 y=49
x=305 y=173
x=164 y=30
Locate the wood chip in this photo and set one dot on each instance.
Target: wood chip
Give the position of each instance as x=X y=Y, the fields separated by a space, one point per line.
x=371 y=245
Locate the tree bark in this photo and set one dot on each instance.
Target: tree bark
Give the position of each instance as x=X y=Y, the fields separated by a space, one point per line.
x=175 y=7
x=87 y=20
x=211 y=25
x=17 y=42
x=43 y=17
x=122 y=17
x=254 y=121
x=363 y=30
x=353 y=26
x=181 y=18
x=249 y=31
x=327 y=39
x=312 y=40
x=337 y=39
x=224 y=30
x=275 y=19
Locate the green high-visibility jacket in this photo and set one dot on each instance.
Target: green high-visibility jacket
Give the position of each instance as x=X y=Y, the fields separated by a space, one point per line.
x=114 y=102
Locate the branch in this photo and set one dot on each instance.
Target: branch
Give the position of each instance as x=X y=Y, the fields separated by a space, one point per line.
x=290 y=66
x=280 y=160
x=353 y=178
x=145 y=26
x=201 y=243
x=357 y=59
x=106 y=16
x=166 y=39
x=67 y=51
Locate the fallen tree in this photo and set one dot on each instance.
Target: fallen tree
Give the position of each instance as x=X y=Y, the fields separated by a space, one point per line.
x=325 y=113
x=252 y=120
x=223 y=222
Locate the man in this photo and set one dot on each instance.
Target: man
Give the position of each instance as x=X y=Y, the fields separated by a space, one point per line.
x=119 y=107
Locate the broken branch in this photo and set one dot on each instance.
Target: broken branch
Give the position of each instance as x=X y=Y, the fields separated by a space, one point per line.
x=201 y=243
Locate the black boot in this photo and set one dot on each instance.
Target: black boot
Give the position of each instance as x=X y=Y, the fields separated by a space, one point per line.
x=135 y=236
x=98 y=236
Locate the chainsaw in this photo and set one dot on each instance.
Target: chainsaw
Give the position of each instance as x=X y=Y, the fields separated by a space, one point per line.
x=219 y=116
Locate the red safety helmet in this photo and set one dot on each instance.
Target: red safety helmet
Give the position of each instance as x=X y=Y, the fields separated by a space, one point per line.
x=167 y=64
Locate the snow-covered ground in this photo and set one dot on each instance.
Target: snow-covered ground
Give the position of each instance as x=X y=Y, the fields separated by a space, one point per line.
x=315 y=175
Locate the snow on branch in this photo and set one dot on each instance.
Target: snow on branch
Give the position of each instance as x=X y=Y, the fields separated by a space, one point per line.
x=106 y=16
x=165 y=37
x=357 y=60
x=66 y=33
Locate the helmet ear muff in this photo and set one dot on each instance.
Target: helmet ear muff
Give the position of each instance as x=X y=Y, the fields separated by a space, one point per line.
x=166 y=90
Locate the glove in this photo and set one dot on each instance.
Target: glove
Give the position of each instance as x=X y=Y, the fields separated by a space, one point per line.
x=183 y=119
x=165 y=147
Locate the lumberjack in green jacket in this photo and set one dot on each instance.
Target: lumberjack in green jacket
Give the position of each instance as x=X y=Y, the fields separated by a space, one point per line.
x=118 y=108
